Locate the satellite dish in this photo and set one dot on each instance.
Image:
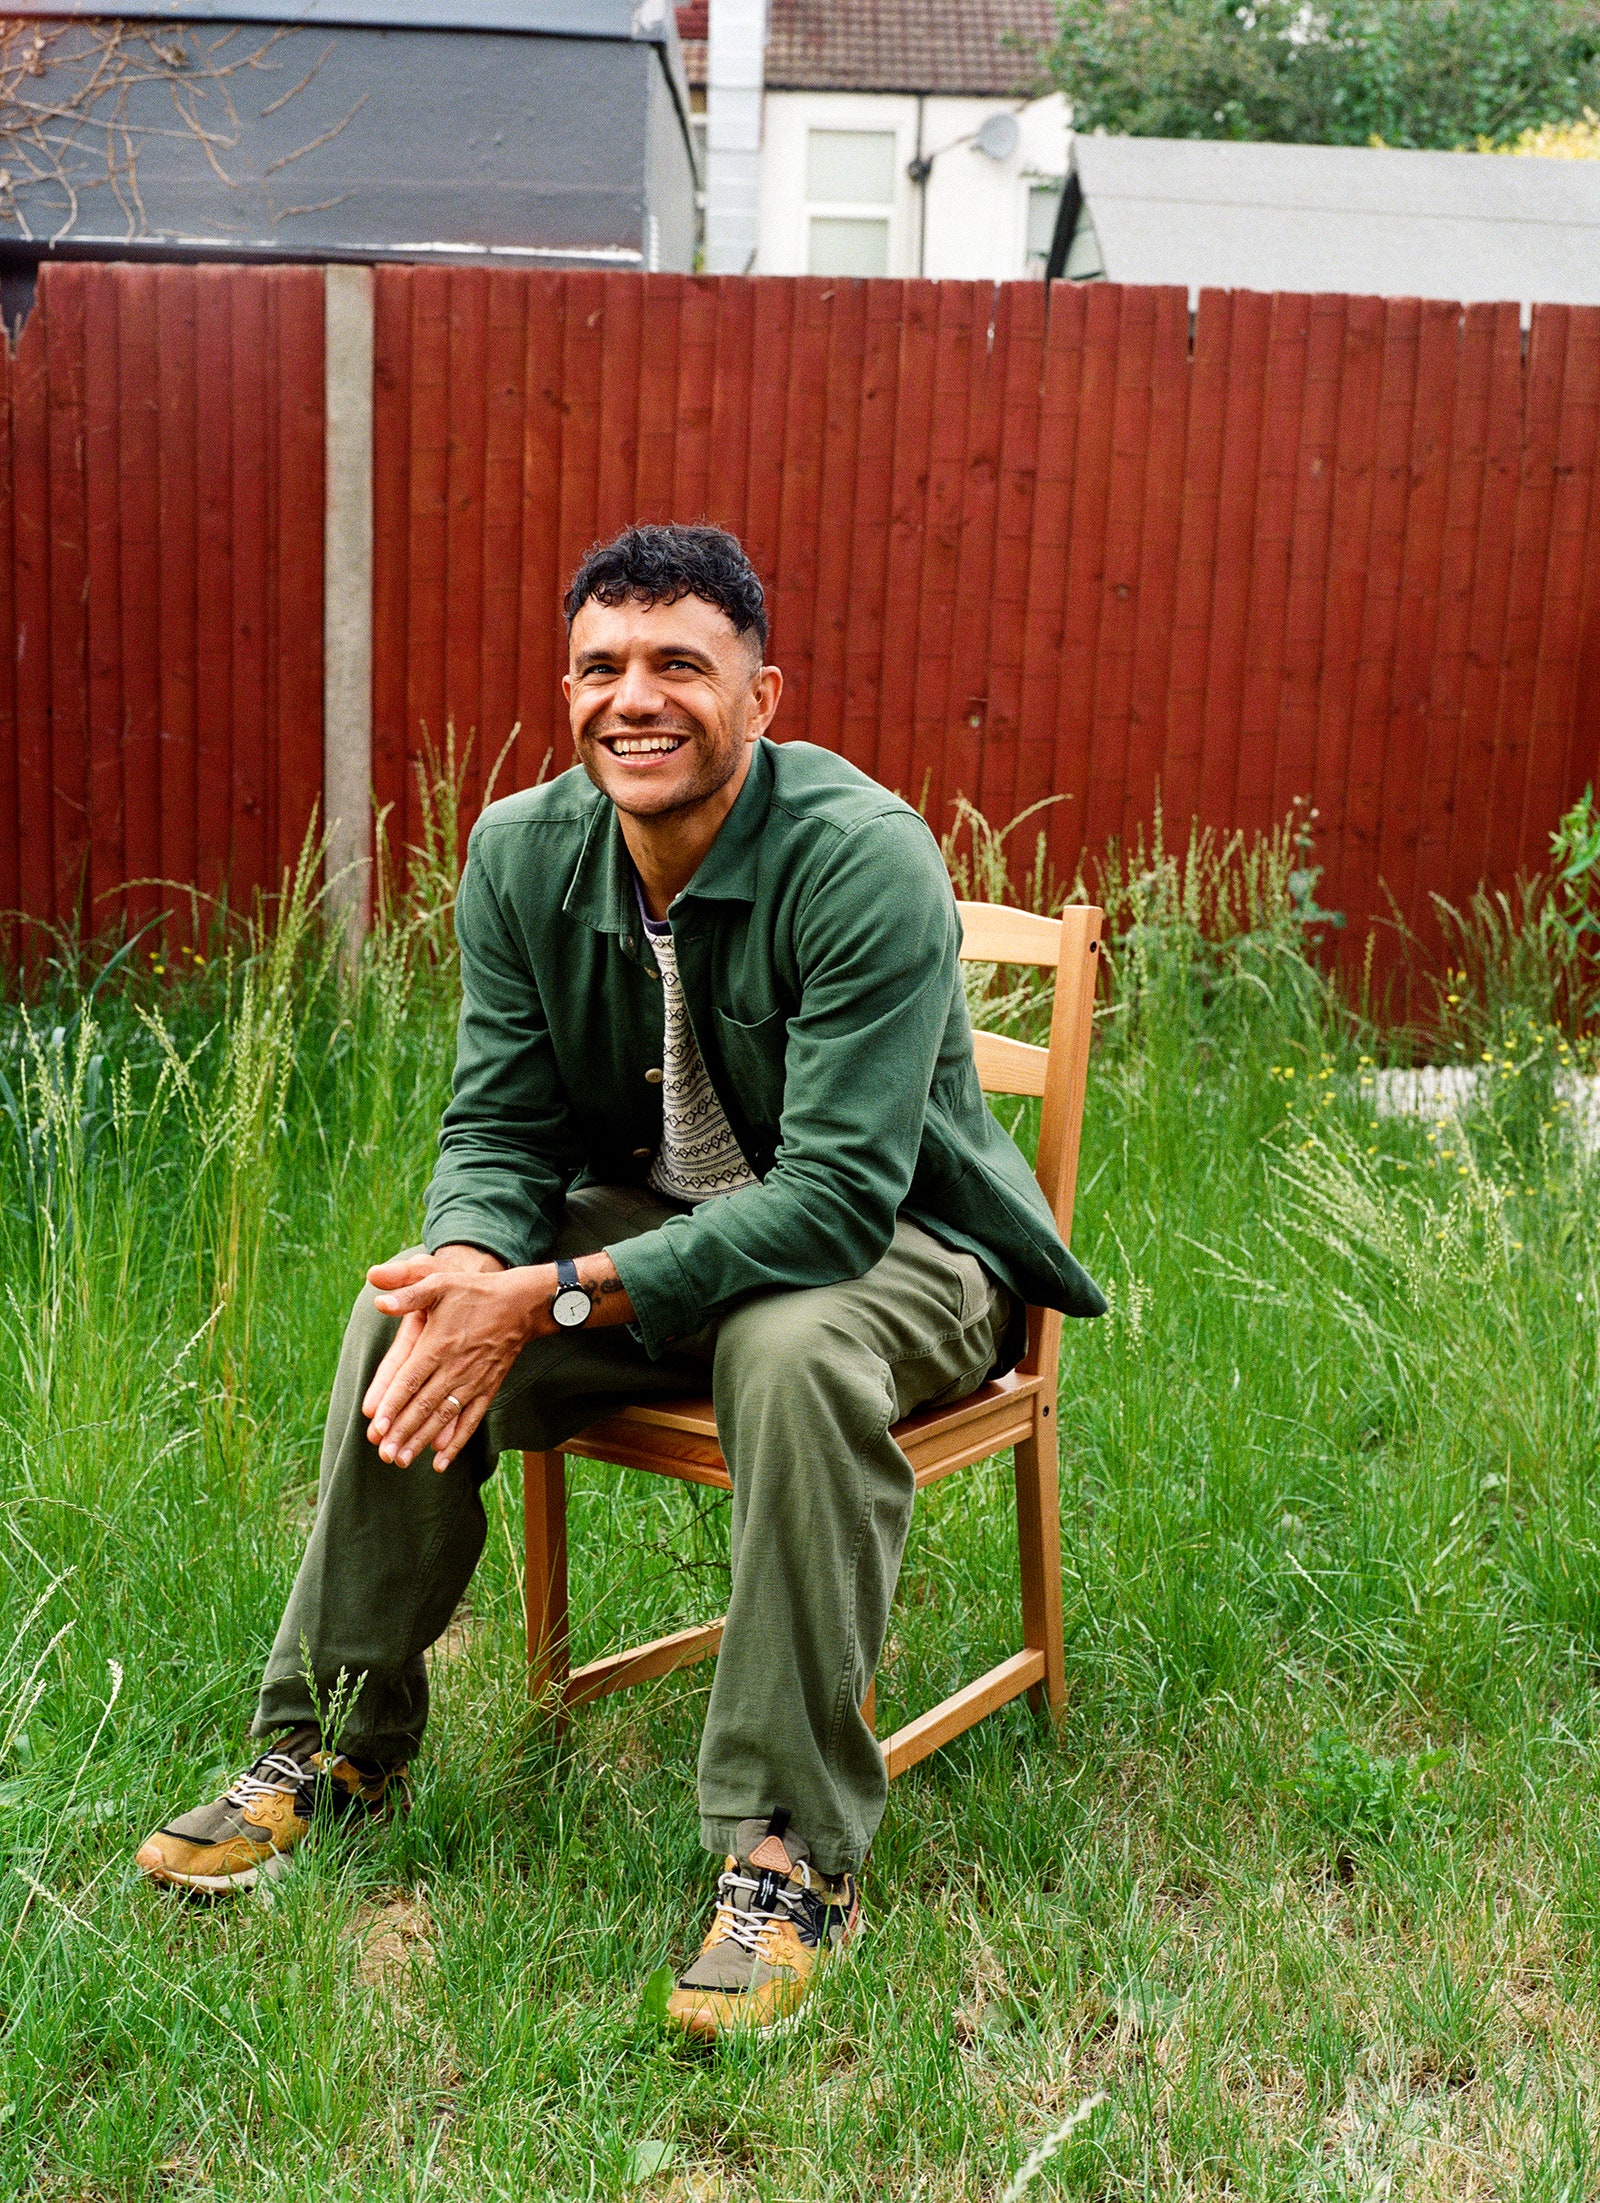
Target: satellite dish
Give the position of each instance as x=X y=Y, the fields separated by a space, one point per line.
x=998 y=136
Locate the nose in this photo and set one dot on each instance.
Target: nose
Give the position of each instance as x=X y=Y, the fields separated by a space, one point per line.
x=637 y=694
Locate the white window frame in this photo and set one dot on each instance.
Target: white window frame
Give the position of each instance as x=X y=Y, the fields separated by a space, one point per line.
x=881 y=211
x=787 y=207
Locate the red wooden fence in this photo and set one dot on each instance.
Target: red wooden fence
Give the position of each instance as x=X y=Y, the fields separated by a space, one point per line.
x=161 y=454
x=1016 y=545
x=1021 y=546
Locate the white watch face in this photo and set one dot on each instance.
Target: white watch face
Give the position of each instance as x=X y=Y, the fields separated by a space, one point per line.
x=571 y=1307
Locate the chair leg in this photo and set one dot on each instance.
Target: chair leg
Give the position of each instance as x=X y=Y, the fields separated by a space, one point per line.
x=869 y=1705
x=544 y=1525
x=1039 y=1552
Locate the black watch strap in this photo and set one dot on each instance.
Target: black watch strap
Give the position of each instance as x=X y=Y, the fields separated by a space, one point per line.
x=566 y=1274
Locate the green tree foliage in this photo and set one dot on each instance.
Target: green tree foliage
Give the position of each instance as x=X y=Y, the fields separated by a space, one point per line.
x=1439 y=73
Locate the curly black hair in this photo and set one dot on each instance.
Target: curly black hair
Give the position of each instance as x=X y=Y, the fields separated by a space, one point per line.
x=659 y=562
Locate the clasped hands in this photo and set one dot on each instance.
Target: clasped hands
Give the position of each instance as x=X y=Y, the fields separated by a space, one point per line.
x=464 y=1319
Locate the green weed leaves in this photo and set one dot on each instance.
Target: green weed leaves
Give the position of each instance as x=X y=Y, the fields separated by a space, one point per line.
x=653 y=2001
x=1351 y=1796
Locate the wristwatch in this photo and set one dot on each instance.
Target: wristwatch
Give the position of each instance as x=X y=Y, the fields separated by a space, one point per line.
x=572 y=1306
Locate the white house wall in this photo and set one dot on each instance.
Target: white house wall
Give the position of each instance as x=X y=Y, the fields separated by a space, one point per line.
x=976 y=223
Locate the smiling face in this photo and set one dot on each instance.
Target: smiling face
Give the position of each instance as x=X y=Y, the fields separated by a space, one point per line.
x=666 y=701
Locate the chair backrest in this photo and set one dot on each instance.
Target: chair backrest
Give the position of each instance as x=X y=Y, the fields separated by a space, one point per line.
x=1070 y=946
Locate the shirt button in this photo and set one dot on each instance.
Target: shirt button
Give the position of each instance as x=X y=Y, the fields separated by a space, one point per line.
x=654 y=1078
x=641 y=1154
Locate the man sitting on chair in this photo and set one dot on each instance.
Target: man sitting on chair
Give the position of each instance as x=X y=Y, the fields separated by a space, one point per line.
x=715 y=1121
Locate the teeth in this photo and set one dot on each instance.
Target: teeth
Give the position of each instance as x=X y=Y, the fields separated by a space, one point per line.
x=642 y=745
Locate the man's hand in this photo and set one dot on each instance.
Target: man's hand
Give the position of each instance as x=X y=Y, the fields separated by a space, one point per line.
x=464 y=1318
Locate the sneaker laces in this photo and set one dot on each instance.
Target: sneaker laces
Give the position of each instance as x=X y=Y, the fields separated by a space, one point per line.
x=273 y=1774
x=743 y=1924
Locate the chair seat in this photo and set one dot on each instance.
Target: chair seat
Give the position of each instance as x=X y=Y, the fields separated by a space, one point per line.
x=680 y=1439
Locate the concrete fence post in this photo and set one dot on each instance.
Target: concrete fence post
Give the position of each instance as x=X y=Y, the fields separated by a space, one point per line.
x=347 y=601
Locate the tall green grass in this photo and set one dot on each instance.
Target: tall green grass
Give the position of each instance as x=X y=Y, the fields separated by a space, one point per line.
x=1305 y=1885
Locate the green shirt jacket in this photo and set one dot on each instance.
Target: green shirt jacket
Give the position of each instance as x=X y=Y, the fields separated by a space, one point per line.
x=817 y=947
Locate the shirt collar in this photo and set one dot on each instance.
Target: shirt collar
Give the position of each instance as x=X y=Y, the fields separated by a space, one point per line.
x=602 y=894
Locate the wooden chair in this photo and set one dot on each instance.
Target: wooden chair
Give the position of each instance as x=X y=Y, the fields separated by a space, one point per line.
x=1018 y=1410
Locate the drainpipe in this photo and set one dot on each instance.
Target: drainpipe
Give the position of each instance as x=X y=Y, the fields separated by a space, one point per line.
x=735 y=71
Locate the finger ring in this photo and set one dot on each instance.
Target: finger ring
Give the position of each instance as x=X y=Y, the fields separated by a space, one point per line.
x=451 y=1401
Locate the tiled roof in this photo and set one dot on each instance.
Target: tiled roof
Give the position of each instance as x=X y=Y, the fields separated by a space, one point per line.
x=989 y=48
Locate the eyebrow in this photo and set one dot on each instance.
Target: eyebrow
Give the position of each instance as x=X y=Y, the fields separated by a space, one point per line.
x=587 y=658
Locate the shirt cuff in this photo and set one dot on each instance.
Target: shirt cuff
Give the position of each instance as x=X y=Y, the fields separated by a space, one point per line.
x=664 y=1305
x=472 y=1228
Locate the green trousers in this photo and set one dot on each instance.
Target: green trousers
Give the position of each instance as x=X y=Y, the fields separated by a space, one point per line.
x=806 y=1385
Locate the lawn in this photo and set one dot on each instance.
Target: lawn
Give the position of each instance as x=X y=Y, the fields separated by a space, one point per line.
x=1305 y=1888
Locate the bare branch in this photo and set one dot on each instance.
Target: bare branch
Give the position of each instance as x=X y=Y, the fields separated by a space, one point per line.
x=273 y=167
x=285 y=97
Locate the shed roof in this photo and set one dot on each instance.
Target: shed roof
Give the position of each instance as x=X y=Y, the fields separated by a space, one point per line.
x=558 y=18
x=1461 y=226
x=987 y=48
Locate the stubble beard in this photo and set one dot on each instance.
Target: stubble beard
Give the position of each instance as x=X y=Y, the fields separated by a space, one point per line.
x=712 y=772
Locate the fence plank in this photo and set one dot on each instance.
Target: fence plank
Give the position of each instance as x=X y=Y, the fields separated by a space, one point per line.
x=542 y=655
x=583 y=347
x=1189 y=654
x=35 y=820
x=102 y=906
x=428 y=526
x=727 y=461
x=1472 y=829
x=839 y=523
x=1232 y=571
x=505 y=361
x=1369 y=716
x=297 y=591
x=138 y=494
x=1040 y=779
x=1254 y=805
x=69 y=685
x=247 y=523
x=1350 y=524
x=660 y=355
x=798 y=493
x=966 y=715
x=913 y=429
x=1119 y=578
x=464 y=461
x=1156 y=595
x=177 y=322
x=866 y=609
x=760 y=514
x=1404 y=770
x=697 y=369
x=997 y=791
x=1458 y=556
x=1536 y=489
x=1309 y=550
x=1086 y=561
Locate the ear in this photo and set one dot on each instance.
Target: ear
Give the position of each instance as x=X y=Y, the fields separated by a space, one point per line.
x=766 y=686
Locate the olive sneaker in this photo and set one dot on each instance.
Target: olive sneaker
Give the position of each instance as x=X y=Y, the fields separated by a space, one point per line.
x=776 y=1920
x=253 y=1828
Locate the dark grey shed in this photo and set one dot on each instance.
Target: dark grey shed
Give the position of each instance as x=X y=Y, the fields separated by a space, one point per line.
x=517 y=132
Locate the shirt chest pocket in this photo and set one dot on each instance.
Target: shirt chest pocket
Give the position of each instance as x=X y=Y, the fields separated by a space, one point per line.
x=754 y=1055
